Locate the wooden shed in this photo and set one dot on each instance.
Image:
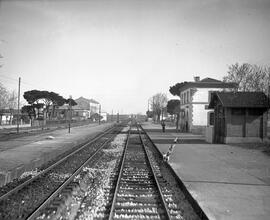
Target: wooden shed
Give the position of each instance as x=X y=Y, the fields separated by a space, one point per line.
x=239 y=117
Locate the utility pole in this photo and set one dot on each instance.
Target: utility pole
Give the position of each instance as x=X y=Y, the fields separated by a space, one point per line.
x=90 y=109
x=70 y=113
x=99 y=114
x=19 y=92
x=154 y=119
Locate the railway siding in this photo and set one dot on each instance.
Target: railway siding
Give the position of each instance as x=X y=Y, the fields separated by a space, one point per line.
x=26 y=155
x=21 y=202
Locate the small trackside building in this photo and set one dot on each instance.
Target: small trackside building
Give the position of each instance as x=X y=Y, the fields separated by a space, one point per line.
x=194 y=100
x=239 y=117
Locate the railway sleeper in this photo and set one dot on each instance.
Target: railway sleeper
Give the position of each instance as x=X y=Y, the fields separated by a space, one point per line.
x=135 y=187
x=145 y=210
x=137 y=190
x=139 y=200
x=135 y=205
x=136 y=180
x=139 y=216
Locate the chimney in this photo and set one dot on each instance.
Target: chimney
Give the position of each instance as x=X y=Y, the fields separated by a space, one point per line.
x=196 y=78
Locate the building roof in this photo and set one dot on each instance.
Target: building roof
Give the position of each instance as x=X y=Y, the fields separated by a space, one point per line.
x=207 y=83
x=83 y=103
x=240 y=99
x=93 y=101
x=86 y=100
x=210 y=80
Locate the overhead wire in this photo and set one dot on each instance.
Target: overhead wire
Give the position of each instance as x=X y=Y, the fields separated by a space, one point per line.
x=22 y=82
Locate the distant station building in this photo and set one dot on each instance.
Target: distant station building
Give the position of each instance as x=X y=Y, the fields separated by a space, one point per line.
x=85 y=105
x=239 y=117
x=194 y=99
x=85 y=108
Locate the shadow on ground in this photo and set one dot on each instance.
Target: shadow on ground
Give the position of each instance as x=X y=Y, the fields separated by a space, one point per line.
x=183 y=141
x=160 y=130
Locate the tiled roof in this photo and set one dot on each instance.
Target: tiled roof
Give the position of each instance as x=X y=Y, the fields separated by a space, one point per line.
x=210 y=80
x=86 y=100
x=207 y=83
x=240 y=99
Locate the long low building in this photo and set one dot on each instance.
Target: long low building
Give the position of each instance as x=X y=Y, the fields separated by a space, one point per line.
x=238 y=117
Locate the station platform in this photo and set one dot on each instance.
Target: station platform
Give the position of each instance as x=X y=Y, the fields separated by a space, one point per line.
x=26 y=153
x=228 y=182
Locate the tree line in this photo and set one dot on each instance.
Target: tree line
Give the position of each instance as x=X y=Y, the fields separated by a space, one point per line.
x=249 y=77
x=41 y=104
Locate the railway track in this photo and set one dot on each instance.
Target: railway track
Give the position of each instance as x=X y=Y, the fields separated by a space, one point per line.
x=27 y=199
x=138 y=194
x=127 y=180
x=137 y=186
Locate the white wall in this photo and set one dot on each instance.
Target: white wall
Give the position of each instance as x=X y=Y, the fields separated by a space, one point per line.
x=199 y=114
x=202 y=94
x=94 y=108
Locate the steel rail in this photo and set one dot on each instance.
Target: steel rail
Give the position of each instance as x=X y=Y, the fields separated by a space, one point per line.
x=16 y=189
x=64 y=184
x=167 y=213
x=195 y=205
x=119 y=177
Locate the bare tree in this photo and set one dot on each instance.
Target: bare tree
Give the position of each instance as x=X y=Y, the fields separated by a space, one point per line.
x=173 y=108
x=159 y=103
x=3 y=96
x=239 y=74
x=7 y=101
x=249 y=77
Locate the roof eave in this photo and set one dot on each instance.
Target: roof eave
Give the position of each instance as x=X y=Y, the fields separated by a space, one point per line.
x=208 y=85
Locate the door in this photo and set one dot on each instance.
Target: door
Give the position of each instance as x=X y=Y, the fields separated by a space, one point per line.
x=219 y=125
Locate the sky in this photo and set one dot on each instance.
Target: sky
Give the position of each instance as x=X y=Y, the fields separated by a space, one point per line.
x=121 y=53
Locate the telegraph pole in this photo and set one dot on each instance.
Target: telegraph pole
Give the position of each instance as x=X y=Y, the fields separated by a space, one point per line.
x=70 y=113
x=99 y=114
x=19 y=91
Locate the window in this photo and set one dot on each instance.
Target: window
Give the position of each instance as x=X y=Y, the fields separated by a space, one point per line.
x=184 y=98
x=187 y=96
x=211 y=118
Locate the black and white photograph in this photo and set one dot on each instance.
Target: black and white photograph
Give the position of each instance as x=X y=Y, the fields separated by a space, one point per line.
x=134 y=109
